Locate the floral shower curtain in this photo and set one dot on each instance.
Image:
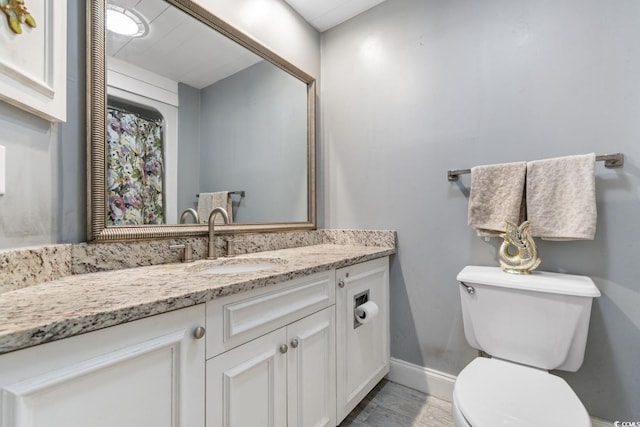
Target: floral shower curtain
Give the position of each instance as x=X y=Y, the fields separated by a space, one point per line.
x=135 y=170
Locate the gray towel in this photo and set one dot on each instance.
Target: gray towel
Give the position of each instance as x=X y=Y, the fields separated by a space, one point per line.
x=561 y=197
x=496 y=197
x=209 y=201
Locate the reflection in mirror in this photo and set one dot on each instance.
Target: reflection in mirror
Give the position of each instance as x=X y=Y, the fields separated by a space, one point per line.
x=135 y=164
x=241 y=123
x=195 y=120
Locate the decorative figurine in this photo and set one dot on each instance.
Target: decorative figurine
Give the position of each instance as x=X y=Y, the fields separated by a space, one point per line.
x=525 y=259
x=17 y=14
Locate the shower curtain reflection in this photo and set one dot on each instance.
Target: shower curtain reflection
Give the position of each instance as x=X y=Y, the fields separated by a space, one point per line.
x=135 y=168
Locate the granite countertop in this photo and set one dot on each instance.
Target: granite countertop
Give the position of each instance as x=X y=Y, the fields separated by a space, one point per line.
x=86 y=302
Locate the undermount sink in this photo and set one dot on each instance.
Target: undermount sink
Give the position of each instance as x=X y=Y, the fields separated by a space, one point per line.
x=235 y=265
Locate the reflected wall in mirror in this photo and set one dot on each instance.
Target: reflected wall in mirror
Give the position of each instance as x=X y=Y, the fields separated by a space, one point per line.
x=193 y=114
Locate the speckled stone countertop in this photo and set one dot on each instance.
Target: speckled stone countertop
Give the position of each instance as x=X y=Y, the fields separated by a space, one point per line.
x=85 y=302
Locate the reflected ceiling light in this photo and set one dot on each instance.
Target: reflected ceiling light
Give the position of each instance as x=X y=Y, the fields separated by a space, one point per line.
x=124 y=21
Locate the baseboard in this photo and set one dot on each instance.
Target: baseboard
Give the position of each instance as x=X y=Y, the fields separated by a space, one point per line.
x=438 y=384
x=429 y=381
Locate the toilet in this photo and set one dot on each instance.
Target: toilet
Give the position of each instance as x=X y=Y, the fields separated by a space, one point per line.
x=529 y=324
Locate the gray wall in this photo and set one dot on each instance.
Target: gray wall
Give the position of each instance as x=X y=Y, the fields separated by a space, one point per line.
x=188 y=147
x=253 y=138
x=412 y=88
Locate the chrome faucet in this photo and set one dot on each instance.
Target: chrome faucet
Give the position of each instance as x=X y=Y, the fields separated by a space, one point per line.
x=212 y=233
x=186 y=213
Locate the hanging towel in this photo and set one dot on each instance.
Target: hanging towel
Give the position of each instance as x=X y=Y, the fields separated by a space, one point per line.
x=496 y=196
x=209 y=201
x=561 y=197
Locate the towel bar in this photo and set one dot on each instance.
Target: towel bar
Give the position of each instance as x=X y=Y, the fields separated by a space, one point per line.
x=615 y=160
x=239 y=192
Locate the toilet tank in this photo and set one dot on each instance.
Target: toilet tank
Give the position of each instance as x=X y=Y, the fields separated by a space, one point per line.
x=539 y=319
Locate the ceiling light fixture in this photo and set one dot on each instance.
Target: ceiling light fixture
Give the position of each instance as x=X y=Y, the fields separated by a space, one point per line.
x=124 y=21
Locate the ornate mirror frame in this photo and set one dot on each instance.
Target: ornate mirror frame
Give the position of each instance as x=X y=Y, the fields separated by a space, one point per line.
x=97 y=229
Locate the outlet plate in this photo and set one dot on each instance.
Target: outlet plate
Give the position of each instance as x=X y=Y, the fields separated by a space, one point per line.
x=3 y=170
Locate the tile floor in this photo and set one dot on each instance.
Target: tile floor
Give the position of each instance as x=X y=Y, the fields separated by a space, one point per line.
x=392 y=405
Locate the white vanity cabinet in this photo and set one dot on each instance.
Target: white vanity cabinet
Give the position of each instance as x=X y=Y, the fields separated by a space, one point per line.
x=362 y=348
x=149 y=372
x=279 y=365
x=286 y=355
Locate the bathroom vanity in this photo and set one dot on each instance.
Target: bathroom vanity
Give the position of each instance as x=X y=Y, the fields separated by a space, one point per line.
x=221 y=343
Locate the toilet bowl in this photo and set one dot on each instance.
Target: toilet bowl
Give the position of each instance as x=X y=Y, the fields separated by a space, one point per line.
x=491 y=393
x=529 y=324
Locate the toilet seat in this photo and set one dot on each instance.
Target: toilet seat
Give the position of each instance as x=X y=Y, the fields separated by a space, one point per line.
x=492 y=392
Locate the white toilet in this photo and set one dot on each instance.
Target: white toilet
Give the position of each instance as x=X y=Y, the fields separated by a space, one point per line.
x=529 y=324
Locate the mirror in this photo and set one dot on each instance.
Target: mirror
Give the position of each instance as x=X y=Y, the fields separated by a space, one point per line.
x=191 y=115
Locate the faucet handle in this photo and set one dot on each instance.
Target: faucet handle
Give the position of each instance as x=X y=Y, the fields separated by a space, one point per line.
x=187 y=251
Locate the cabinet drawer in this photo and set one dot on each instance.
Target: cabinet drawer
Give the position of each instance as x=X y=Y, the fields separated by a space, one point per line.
x=239 y=318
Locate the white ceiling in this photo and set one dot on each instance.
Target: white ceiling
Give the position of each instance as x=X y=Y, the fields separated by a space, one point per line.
x=178 y=47
x=324 y=14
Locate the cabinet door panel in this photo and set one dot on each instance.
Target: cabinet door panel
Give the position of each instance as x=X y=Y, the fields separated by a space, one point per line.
x=128 y=388
x=155 y=381
x=311 y=370
x=246 y=386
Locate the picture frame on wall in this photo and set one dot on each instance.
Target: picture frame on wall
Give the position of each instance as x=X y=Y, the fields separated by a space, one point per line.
x=33 y=61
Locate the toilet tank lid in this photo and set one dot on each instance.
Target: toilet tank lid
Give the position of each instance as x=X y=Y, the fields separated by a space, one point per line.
x=537 y=281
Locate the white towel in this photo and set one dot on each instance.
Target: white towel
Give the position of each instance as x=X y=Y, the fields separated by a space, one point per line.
x=561 y=197
x=209 y=201
x=496 y=197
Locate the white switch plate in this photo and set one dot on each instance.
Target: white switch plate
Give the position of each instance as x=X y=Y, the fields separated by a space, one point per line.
x=3 y=170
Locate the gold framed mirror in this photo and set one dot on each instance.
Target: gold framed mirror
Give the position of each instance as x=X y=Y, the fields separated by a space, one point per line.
x=243 y=160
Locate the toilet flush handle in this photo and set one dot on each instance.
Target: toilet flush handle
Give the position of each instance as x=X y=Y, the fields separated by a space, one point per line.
x=470 y=289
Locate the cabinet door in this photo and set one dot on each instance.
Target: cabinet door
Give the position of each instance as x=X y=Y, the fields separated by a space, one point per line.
x=311 y=371
x=246 y=386
x=144 y=373
x=362 y=349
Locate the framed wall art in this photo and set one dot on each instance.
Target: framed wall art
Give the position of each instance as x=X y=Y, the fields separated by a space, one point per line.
x=33 y=56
